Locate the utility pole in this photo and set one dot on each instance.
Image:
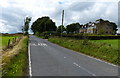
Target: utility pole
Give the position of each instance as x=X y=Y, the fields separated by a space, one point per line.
x=45 y=26
x=62 y=21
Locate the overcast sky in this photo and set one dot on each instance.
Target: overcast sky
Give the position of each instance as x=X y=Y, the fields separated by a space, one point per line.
x=13 y=12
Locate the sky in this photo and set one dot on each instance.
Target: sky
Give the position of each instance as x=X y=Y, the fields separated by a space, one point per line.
x=13 y=12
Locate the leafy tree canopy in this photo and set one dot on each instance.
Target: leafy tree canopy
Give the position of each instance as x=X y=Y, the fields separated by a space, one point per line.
x=60 y=29
x=73 y=28
x=43 y=24
x=26 y=25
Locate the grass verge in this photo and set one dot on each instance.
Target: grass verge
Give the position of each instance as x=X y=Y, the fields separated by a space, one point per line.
x=112 y=42
x=17 y=65
x=98 y=50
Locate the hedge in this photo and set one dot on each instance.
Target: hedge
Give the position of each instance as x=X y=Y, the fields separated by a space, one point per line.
x=90 y=37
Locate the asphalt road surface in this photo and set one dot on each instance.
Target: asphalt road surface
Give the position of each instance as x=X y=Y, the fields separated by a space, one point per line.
x=48 y=59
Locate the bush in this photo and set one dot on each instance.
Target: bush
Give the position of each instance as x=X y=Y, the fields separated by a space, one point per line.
x=45 y=35
x=37 y=33
x=26 y=33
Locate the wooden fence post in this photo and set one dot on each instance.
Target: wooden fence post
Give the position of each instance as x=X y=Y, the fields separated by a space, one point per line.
x=15 y=39
x=9 y=43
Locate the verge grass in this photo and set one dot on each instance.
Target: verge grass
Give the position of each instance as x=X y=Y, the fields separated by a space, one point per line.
x=113 y=43
x=96 y=49
x=16 y=64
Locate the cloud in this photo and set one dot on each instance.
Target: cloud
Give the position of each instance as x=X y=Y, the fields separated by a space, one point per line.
x=4 y=27
x=80 y=6
x=14 y=11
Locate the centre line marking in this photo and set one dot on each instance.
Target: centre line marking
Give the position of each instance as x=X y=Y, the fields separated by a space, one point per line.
x=64 y=57
x=83 y=69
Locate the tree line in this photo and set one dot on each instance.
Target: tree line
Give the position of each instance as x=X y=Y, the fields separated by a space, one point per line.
x=45 y=24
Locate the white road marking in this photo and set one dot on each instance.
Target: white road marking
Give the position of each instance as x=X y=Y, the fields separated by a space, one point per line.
x=83 y=69
x=34 y=44
x=42 y=44
x=64 y=57
x=38 y=44
x=30 y=69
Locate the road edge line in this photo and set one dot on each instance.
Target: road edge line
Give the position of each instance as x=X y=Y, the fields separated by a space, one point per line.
x=30 y=71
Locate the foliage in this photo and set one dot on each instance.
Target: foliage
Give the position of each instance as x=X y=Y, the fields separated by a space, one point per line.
x=114 y=27
x=60 y=29
x=37 y=33
x=43 y=24
x=104 y=26
x=45 y=35
x=26 y=25
x=73 y=28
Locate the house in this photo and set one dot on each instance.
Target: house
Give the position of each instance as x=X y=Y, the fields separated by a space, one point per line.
x=91 y=28
x=83 y=29
x=100 y=26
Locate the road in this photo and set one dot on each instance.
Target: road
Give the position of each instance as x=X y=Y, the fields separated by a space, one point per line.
x=48 y=59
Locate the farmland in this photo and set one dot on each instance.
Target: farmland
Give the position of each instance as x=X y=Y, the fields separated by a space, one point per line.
x=113 y=43
x=4 y=40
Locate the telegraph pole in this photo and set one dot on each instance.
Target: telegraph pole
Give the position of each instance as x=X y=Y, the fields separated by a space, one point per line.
x=62 y=21
x=45 y=26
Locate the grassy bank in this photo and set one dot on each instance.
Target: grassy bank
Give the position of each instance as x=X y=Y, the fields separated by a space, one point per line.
x=16 y=65
x=98 y=49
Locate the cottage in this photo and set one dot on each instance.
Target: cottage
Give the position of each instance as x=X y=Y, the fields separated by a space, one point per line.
x=100 y=26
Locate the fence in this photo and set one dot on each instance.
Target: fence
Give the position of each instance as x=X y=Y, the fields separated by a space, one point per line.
x=12 y=43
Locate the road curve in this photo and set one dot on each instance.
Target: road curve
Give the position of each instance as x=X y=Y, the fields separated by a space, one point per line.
x=48 y=59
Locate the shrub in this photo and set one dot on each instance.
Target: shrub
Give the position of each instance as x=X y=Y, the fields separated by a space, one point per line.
x=45 y=35
x=37 y=33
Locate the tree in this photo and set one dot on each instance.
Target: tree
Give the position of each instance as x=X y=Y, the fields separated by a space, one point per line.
x=73 y=28
x=106 y=27
x=26 y=25
x=114 y=27
x=60 y=29
x=43 y=24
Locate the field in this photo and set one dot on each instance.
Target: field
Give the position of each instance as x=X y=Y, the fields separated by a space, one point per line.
x=4 y=40
x=106 y=50
x=113 y=43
